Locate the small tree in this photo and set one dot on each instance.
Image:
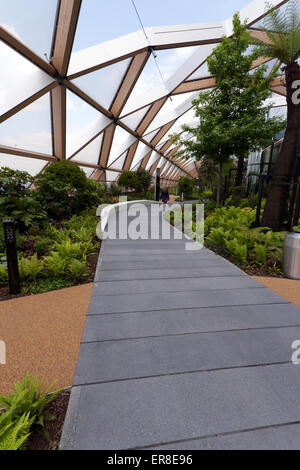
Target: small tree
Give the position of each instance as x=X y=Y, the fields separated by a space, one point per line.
x=128 y=180
x=233 y=115
x=145 y=180
x=186 y=186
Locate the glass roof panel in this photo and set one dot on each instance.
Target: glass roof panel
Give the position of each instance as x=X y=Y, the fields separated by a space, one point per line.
x=31 y=21
x=122 y=141
x=150 y=78
x=103 y=84
x=83 y=122
x=111 y=176
x=154 y=157
x=169 y=60
x=29 y=129
x=151 y=135
x=90 y=153
x=141 y=152
x=31 y=165
x=19 y=78
x=202 y=72
x=87 y=171
x=133 y=120
x=102 y=21
x=119 y=163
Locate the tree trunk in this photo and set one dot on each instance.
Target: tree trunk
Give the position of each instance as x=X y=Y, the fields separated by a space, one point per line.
x=239 y=172
x=219 y=185
x=276 y=208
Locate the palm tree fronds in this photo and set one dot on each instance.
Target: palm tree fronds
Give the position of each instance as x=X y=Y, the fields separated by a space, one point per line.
x=282 y=31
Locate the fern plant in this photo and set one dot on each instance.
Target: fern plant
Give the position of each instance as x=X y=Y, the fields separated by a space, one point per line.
x=13 y=436
x=30 y=268
x=236 y=250
x=77 y=269
x=55 y=264
x=28 y=398
x=3 y=274
x=260 y=252
x=68 y=250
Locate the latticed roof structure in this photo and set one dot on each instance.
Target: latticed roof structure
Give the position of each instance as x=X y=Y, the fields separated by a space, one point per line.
x=89 y=106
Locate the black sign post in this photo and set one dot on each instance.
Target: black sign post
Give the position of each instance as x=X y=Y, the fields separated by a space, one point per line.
x=12 y=257
x=157 y=185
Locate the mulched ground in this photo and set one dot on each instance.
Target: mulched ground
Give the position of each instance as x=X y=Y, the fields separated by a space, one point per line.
x=57 y=409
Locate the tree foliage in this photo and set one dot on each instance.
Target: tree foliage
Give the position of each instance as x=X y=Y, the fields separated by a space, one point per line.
x=232 y=115
x=63 y=189
x=186 y=186
x=145 y=179
x=128 y=179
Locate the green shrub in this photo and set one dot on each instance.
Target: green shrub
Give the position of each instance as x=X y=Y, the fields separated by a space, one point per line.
x=30 y=268
x=63 y=189
x=129 y=180
x=114 y=190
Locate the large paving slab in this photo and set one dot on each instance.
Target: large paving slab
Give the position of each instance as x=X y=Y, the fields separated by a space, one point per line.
x=149 y=412
x=173 y=285
x=166 y=273
x=127 y=359
x=193 y=299
x=173 y=322
x=183 y=350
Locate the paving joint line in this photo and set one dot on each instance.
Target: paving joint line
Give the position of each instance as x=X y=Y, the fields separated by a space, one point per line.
x=189 y=334
x=189 y=372
x=189 y=308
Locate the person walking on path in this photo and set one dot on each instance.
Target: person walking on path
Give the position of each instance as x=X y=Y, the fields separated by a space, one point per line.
x=165 y=197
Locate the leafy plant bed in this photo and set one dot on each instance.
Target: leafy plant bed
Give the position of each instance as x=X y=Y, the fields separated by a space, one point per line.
x=55 y=256
x=57 y=409
x=229 y=232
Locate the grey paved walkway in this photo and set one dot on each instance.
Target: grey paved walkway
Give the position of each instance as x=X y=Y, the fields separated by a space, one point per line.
x=182 y=350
